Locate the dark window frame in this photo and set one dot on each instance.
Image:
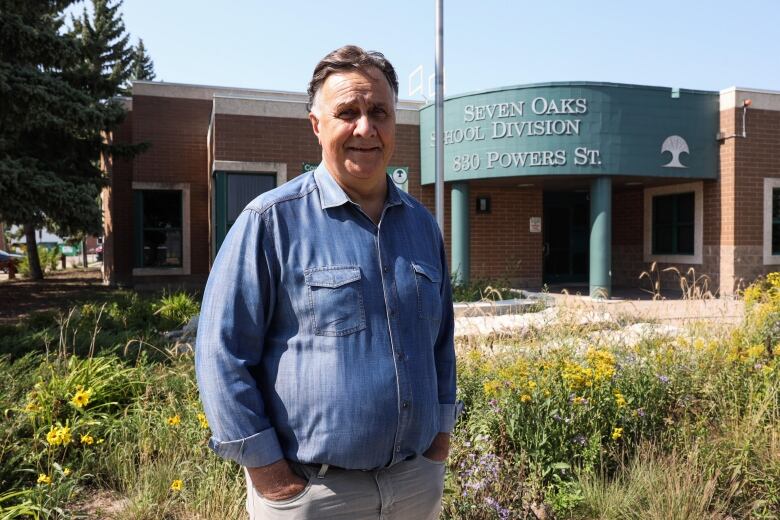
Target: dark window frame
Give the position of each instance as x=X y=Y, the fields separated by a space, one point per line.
x=674 y=225
x=775 y=223
x=139 y=258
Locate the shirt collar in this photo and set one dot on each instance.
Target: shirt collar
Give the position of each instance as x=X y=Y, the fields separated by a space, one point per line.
x=332 y=195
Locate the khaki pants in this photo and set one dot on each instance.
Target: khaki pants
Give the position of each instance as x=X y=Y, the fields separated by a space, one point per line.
x=410 y=490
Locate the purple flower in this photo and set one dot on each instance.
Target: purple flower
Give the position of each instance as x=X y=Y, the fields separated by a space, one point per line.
x=503 y=513
x=640 y=412
x=663 y=379
x=579 y=439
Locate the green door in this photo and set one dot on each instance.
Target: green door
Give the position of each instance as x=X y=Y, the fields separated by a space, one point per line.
x=565 y=230
x=232 y=192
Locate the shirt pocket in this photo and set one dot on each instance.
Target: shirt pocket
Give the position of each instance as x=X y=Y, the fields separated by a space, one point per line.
x=335 y=299
x=428 y=280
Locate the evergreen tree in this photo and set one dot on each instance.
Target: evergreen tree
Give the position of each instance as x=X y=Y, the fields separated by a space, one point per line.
x=143 y=66
x=105 y=56
x=51 y=125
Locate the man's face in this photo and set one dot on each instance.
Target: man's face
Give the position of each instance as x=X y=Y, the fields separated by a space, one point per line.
x=354 y=119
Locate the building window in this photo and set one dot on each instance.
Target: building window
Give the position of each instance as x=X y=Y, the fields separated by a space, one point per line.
x=771 y=221
x=158 y=228
x=234 y=185
x=776 y=221
x=673 y=224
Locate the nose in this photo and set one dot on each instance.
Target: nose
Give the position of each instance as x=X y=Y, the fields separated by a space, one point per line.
x=364 y=127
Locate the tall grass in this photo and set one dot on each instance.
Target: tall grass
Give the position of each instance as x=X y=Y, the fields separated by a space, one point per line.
x=569 y=420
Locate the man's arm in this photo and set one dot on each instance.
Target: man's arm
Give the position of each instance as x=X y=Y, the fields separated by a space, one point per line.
x=236 y=309
x=444 y=355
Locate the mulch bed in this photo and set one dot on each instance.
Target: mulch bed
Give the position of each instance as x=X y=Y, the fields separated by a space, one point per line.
x=59 y=290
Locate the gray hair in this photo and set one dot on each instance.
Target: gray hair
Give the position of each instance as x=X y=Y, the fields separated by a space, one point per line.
x=346 y=58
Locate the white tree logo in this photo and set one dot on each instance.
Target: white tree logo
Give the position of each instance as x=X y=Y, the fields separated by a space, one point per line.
x=675 y=145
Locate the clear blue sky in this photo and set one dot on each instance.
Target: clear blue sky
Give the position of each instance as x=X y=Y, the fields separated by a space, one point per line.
x=273 y=44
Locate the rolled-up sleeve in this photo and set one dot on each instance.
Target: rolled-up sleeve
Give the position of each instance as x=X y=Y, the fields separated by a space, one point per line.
x=235 y=312
x=444 y=352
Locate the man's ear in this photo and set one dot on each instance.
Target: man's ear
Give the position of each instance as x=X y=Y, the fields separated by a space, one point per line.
x=315 y=124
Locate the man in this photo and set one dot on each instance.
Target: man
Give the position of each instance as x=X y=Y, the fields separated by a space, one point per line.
x=325 y=356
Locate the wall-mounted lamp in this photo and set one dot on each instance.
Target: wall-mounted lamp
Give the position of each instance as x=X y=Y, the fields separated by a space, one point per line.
x=483 y=204
x=745 y=104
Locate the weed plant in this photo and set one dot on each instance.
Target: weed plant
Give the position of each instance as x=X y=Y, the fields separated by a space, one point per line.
x=482 y=290
x=670 y=427
x=48 y=258
x=114 y=325
x=559 y=422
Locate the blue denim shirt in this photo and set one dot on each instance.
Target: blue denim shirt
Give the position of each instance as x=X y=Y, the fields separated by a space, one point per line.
x=323 y=337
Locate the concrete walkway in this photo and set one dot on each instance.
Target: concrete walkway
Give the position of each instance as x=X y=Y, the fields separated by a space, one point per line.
x=584 y=310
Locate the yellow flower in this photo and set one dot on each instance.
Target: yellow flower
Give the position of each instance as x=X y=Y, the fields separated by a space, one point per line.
x=491 y=388
x=66 y=472
x=602 y=362
x=204 y=423
x=525 y=398
x=620 y=400
x=177 y=485
x=81 y=398
x=44 y=478
x=531 y=385
x=87 y=439
x=579 y=400
x=577 y=376
x=32 y=407
x=174 y=421
x=617 y=433
x=65 y=435
x=53 y=437
x=59 y=435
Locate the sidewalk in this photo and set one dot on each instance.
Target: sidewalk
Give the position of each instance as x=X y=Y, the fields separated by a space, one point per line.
x=663 y=314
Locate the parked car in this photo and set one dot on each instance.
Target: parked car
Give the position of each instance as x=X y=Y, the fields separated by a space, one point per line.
x=7 y=258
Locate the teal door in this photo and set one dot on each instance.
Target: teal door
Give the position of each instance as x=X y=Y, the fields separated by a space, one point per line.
x=565 y=230
x=232 y=192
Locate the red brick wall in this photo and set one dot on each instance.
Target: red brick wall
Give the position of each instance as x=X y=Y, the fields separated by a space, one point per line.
x=627 y=237
x=269 y=139
x=501 y=244
x=291 y=141
x=176 y=130
x=756 y=157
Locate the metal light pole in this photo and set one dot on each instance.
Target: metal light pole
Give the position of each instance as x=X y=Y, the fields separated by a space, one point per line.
x=439 y=114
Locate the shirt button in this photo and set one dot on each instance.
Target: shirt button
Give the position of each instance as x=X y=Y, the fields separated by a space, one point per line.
x=405 y=404
x=392 y=312
x=400 y=356
x=385 y=269
x=398 y=449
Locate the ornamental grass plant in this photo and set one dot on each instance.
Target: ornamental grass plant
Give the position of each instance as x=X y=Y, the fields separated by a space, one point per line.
x=568 y=420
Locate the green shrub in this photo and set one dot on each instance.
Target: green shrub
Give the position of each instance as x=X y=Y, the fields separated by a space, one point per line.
x=48 y=258
x=176 y=309
x=558 y=421
x=479 y=290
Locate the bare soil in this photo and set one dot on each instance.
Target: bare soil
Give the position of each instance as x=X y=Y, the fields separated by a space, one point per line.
x=59 y=290
x=100 y=504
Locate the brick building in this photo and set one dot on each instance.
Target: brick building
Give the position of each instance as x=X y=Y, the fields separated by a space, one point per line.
x=571 y=183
